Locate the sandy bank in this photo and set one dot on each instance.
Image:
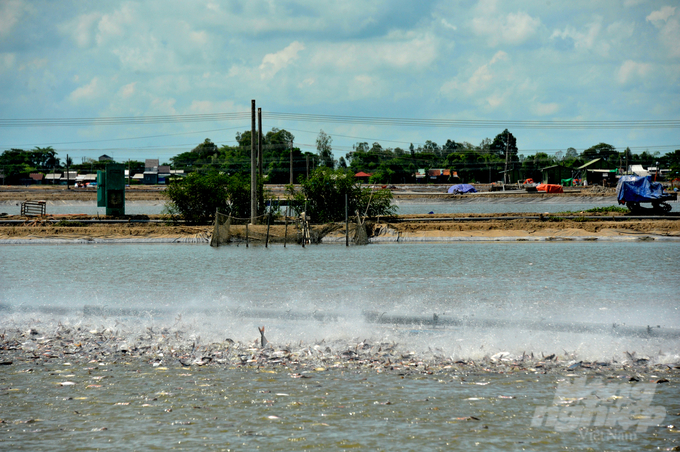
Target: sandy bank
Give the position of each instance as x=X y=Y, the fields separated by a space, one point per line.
x=452 y=229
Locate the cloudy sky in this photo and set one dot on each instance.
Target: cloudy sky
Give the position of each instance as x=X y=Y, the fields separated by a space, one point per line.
x=500 y=61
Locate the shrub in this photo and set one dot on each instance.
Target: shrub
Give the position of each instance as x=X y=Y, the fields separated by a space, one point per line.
x=196 y=197
x=324 y=191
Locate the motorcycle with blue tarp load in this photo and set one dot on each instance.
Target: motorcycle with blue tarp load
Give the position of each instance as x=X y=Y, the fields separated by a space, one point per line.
x=634 y=190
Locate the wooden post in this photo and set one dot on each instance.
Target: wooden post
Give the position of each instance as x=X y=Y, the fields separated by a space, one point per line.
x=304 y=226
x=247 y=239
x=253 y=167
x=346 y=223
x=285 y=234
x=269 y=220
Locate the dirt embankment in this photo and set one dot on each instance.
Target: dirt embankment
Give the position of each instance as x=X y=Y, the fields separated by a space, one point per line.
x=414 y=227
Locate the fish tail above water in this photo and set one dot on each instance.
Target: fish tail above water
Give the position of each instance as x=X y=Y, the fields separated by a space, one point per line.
x=263 y=340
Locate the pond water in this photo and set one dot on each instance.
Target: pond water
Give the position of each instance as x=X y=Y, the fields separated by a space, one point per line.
x=321 y=295
x=404 y=207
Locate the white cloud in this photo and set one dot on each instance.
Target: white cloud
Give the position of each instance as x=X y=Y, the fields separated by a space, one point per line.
x=661 y=16
x=81 y=29
x=631 y=69
x=397 y=50
x=274 y=62
x=589 y=37
x=482 y=79
x=487 y=85
x=10 y=14
x=209 y=106
x=114 y=25
x=87 y=92
x=513 y=28
x=448 y=25
x=542 y=109
x=127 y=90
x=668 y=24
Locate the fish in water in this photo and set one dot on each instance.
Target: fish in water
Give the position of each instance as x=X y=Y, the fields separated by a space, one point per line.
x=263 y=340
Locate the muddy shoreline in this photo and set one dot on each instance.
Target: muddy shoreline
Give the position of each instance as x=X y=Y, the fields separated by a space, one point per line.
x=404 y=228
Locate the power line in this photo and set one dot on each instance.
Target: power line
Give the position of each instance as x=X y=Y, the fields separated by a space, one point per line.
x=475 y=124
x=122 y=120
x=342 y=119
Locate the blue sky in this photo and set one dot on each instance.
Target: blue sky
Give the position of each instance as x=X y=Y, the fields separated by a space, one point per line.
x=447 y=60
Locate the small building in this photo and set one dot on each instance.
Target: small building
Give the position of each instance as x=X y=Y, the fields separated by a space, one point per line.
x=441 y=175
x=150 y=178
x=555 y=173
x=606 y=177
x=105 y=158
x=53 y=178
x=163 y=174
x=151 y=171
x=362 y=176
x=37 y=177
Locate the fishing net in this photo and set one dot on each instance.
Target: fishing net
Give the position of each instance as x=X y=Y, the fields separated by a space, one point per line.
x=360 y=234
x=222 y=230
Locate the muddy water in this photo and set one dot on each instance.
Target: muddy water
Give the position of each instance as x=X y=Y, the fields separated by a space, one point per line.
x=156 y=347
x=137 y=406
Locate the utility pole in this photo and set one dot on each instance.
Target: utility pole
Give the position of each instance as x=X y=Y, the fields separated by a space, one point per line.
x=253 y=166
x=259 y=142
x=307 y=160
x=507 y=141
x=68 y=175
x=291 y=167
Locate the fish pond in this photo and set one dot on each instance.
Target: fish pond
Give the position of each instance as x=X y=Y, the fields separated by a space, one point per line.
x=495 y=346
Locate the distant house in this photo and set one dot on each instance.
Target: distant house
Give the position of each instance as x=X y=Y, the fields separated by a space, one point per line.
x=37 y=177
x=436 y=175
x=594 y=173
x=53 y=178
x=441 y=175
x=151 y=171
x=362 y=176
x=105 y=158
x=163 y=174
x=555 y=173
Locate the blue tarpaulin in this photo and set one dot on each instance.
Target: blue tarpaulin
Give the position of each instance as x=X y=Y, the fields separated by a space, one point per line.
x=462 y=188
x=638 y=189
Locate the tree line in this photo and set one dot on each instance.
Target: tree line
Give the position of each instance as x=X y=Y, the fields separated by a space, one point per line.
x=485 y=162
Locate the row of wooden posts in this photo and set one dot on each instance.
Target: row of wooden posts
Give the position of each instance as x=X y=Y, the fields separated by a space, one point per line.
x=306 y=236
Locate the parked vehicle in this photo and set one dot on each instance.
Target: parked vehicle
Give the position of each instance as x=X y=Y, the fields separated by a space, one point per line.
x=633 y=190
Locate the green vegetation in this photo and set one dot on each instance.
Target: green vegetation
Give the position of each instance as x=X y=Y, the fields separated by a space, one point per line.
x=324 y=192
x=610 y=209
x=197 y=197
x=484 y=162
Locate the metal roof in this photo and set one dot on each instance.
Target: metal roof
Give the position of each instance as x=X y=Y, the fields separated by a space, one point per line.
x=588 y=164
